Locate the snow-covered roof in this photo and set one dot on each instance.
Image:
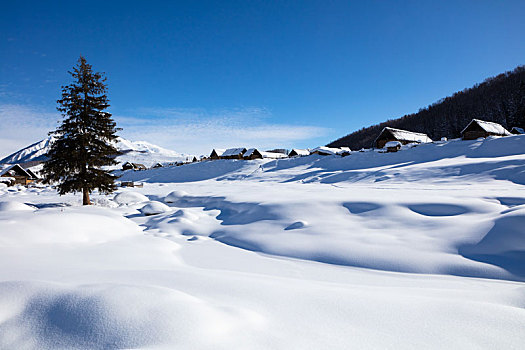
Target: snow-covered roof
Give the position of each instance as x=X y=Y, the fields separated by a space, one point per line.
x=301 y=152
x=518 y=130
x=233 y=152
x=490 y=127
x=329 y=150
x=250 y=151
x=219 y=151
x=405 y=135
x=17 y=169
x=393 y=144
x=273 y=155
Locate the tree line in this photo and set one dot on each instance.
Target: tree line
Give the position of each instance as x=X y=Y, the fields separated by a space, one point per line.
x=500 y=99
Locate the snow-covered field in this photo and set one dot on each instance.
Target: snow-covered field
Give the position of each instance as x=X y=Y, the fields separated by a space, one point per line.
x=424 y=248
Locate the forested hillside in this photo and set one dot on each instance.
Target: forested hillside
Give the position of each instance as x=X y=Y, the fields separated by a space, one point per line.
x=500 y=99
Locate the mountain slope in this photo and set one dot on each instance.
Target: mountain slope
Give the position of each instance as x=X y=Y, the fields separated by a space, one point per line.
x=132 y=151
x=500 y=99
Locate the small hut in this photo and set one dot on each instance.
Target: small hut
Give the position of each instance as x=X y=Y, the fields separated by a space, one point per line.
x=481 y=128
x=273 y=155
x=133 y=166
x=217 y=153
x=233 y=153
x=296 y=152
x=517 y=131
x=158 y=165
x=20 y=175
x=252 y=153
x=393 y=146
x=403 y=136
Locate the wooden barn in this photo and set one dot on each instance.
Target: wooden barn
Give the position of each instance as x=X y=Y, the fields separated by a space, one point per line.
x=252 y=153
x=217 y=153
x=233 y=153
x=20 y=175
x=133 y=166
x=481 y=128
x=403 y=136
x=296 y=152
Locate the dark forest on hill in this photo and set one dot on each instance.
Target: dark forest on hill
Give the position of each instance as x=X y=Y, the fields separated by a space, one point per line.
x=500 y=99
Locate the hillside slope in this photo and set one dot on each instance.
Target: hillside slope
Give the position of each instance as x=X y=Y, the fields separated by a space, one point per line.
x=132 y=151
x=500 y=99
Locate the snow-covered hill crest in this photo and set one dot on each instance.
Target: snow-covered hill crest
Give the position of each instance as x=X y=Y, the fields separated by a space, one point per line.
x=132 y=151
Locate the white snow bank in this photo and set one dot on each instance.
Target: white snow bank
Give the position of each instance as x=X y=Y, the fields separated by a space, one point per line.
x=13 y=206
x=129 y=197
x=154 y=207
x=175 y=196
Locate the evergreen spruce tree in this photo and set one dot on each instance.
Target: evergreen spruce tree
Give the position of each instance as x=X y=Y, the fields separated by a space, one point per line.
x=83 y=143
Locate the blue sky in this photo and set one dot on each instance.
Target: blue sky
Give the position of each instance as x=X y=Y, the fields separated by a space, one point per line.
x=191 y=75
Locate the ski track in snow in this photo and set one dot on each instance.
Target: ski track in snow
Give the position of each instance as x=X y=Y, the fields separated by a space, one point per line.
x=423 y=248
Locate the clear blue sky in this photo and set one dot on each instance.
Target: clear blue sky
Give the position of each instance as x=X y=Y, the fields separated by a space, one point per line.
x=289 y=73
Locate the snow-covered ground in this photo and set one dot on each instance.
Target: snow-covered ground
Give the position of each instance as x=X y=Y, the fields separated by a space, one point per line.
x=424 y=248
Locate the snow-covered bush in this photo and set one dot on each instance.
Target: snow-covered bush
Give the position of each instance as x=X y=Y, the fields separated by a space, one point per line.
x=154 y=207
x=129 y=197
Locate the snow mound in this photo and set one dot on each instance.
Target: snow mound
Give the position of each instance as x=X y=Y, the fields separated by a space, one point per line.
x=12 y=206
x=129 y=197
x=174 y=196
x=154 y=207
x=107 y=316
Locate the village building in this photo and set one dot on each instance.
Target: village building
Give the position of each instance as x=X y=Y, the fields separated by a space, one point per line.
x=329 y=151
x=233 y=153
x=217 y=153
x=273 y=155
x=133 y=166
x=403 y=136
x=517 y=131
x=20 y=175
x=252 y=153
x=158 y=165
x=296 y=152
x=393 y=146
x=481 y=128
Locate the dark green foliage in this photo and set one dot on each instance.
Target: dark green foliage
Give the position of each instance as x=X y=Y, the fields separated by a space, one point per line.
x=84 y=141
x=499 y=99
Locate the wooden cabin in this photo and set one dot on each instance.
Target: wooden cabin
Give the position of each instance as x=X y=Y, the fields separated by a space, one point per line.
x=252 y=153
x=481 y=128
x=20 y=175
x=296 y=152
x=158 y=165
x=517 y=131
x=233 y=153
x=393 y=146
x=403 y=136
x=133 y=166
x=216 y=153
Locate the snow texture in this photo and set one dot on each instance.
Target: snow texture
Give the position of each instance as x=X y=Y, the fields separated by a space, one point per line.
x=423 y=248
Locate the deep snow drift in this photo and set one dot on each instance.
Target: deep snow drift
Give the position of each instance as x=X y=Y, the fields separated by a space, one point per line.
x=423 y=248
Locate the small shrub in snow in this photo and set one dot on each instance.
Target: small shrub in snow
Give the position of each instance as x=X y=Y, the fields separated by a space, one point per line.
x=154 y=207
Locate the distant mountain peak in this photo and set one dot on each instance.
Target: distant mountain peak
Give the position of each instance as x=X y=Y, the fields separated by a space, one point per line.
x=133 y=151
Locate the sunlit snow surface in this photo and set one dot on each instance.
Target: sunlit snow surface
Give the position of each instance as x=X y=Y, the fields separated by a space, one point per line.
x=423 y=248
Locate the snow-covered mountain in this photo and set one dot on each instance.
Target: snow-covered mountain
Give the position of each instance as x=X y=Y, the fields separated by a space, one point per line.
x=133 y=151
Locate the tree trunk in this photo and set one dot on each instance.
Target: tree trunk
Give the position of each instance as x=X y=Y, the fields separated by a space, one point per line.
x=85 y=197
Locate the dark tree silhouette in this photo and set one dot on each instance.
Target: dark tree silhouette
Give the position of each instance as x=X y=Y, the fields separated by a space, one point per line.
x=83 y=143
x=500 y=99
